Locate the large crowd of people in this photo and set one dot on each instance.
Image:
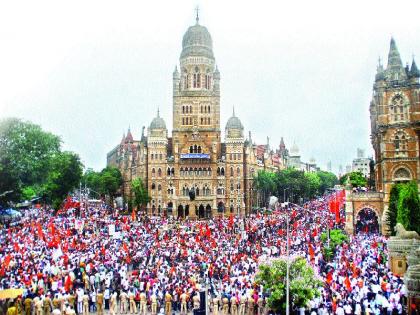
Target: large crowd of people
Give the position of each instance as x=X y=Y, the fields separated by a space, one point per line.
x=103 y=262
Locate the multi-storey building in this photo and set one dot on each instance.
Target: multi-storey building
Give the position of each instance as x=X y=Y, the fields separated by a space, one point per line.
x=395 y=122
x=194 y=172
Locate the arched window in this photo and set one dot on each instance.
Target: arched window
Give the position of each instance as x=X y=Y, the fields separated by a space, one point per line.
x=400 y=143
x=398 y=109
x=183 y=109
x=238 y=172
x=190 y=109
x=218 y=171
x=160 y=156
x=153 y=186
x=159 y=172
x=173 y=171
x=159 y=187
x=208 y=109
x=199 y=149
x=168 y=172
x=231 y=171
x=222 y=171
x=181 y=172
x=183 y=120
x=402 y=174
x=153 y=172
x=195 y=148
x=191 y=149
x=209 y=172
x=201 y=120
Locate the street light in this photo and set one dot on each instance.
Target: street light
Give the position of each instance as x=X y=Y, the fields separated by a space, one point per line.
x=287 y=262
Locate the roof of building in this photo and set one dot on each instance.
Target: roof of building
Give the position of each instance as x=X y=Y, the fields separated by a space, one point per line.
x=158 y=122
x=234 y=122
x=197 y=42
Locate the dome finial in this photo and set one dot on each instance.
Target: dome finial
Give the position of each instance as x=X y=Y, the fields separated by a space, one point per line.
x=196 y=14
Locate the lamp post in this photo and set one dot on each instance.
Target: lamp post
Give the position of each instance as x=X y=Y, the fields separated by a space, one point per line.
x=287 y=250
x=287 y=262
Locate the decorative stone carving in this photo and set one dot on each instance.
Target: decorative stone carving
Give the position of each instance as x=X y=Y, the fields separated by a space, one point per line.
x=402 y=233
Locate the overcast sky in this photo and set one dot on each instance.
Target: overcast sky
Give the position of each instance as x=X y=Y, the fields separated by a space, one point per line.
x=304 y=70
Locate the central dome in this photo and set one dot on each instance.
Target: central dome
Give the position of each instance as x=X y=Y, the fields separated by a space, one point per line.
x=197 y=42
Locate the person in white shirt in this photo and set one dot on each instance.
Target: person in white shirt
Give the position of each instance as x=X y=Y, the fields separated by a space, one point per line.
x=80 y=292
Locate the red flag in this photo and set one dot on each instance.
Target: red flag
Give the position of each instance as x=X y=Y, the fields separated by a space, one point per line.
x=329 y=278
x=208 y=231
x=133 y=215
x=337 y=214
x=347 y=283
x=125 y=247
x=311 y=251
x=40 y=232
x=231 y=221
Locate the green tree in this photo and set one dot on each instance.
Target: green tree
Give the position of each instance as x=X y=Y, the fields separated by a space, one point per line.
x=25 y=154
x=92 y=180
x=265 y=182
x=64 y=176
x=391 y=219
x=408 y=211
x=328 y=180
x=304 y=285
x=110 y=181
x=141 y=196
x=313 y=185
x=337 y=237
x=356 y=179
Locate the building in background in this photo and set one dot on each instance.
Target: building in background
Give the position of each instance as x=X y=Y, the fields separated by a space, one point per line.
x=395 y=122
x=193 y=171
x=361 y=163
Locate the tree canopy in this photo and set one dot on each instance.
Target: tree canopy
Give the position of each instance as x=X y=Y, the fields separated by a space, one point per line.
x=294 y=184
x=408 y=209
x=32 y=164
x=106 y=182
x=304 y=285
x=141 y=195
x=357 y=179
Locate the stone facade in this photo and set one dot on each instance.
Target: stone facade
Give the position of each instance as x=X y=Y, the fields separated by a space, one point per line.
x=193 y=172
x=395 y=122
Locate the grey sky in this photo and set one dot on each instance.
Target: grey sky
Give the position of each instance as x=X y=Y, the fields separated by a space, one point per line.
x=86 y=70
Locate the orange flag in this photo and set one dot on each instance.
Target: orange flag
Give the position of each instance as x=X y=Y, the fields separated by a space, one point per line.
x=347 y=283
x=133 y=215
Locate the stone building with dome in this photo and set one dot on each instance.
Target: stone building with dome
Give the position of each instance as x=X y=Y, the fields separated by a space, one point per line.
x=195 y=171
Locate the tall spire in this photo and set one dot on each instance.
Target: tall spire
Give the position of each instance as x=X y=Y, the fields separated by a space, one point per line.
x=414 y=71
x=196 y=14
x=394 y=59
x=282 y=145
x=158 y=112
x=233 y=111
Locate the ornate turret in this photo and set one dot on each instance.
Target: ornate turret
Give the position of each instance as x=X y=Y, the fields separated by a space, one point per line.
x=414 y=71
x=129 y=137
x=380 y=75
x=395 y=70
x=234 y=127
x=157 y=122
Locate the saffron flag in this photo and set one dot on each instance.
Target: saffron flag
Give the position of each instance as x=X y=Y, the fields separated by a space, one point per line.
x=133 y=216
x=347 y=283
x=311 y=251
x=329 y=278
